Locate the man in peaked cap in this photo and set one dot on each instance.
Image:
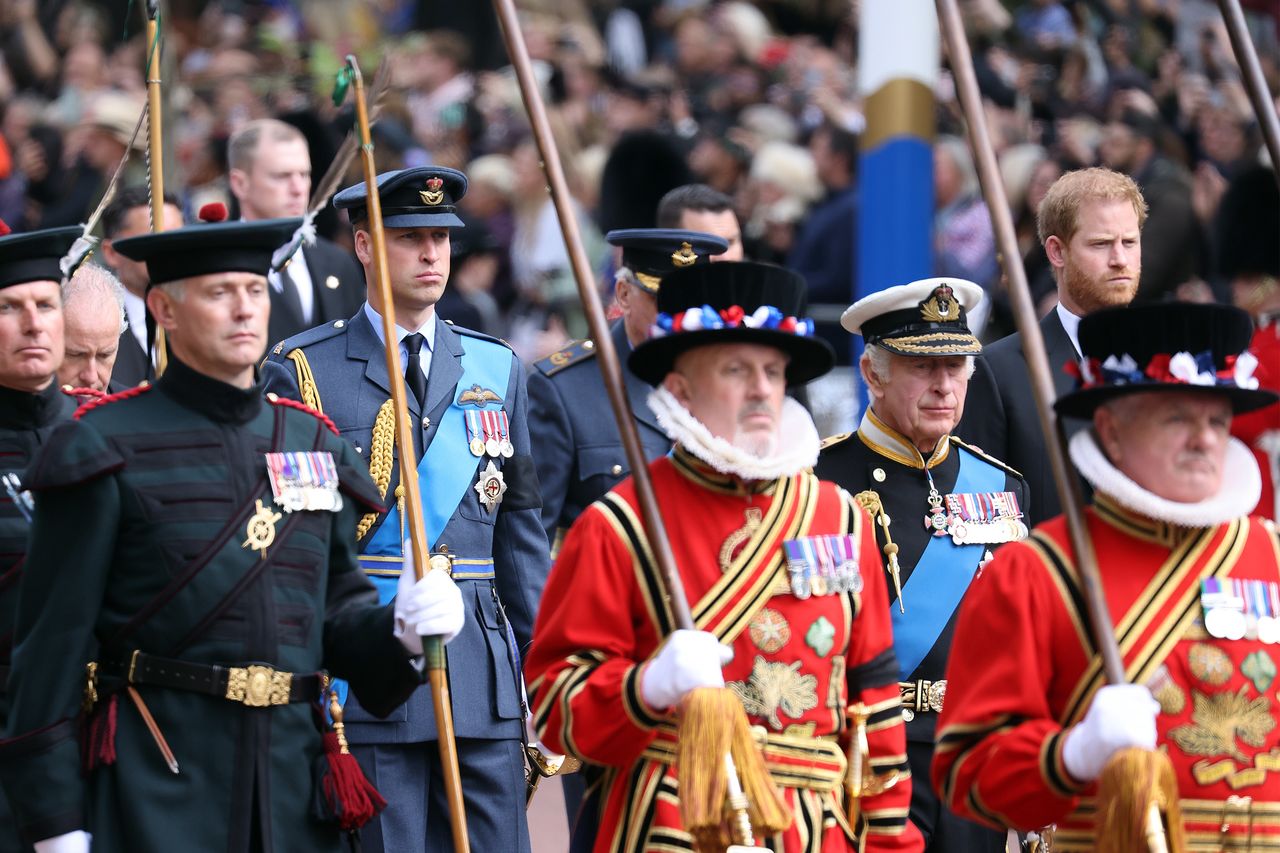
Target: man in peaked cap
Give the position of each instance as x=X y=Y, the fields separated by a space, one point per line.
x=571 y=421
x=778 y=565
x=468 y=406
x=31 y=405
x=187 y=586
x=1029 y=724
x=939 y=505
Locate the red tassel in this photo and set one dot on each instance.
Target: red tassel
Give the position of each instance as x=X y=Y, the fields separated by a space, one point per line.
x=351 y=798
x=100 y=736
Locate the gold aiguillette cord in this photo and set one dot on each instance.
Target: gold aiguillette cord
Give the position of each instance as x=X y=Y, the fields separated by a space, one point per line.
x=870 y=501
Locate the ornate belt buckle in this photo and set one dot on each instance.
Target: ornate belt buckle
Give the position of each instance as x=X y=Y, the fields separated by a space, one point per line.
x=937 y=692
x=258 y=686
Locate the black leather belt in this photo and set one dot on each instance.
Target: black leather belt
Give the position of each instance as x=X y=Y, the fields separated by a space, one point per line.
x=254 y=685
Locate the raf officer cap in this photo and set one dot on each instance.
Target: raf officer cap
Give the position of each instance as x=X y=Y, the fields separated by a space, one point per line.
x=209 y=248
x=34 y=255
x=923 y=318
x=422 y=197
x=651 y=253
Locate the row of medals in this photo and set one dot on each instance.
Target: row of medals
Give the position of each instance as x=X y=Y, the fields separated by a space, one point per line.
x=1227 y=616
x=1003 y=528
x=492 y=447
x=827 y=580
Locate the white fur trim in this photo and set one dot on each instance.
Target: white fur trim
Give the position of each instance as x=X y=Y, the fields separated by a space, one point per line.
x=797 y=439
x=1241 y=486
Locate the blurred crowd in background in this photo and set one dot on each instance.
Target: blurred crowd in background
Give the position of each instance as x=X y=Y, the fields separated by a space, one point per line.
x=759 y=100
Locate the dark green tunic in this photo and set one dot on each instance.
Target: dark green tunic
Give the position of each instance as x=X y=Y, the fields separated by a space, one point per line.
x=142 y=510
x=26 y=420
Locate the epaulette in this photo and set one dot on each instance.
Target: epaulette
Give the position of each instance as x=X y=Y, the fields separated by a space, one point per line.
x=111 y=398
x=833 y=440
x=277 y=400
x=987 y=456
x=463 y=330
x=574 y=352
x=310 y=336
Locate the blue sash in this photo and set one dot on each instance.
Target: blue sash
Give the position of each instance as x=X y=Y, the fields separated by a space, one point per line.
x=941 y=576
x=446 y=470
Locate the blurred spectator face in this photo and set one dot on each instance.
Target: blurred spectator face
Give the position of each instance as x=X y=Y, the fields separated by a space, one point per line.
x=833 y=171
x=133 y=274
x=624 y=112
x=102 y=150
x=30 y=334
x=1100 y=265
x=1042 y=177
x=84 y=67
x=694 y=37
x=92 y=330
x=1222 y=135
x=723 y=224
x=1118 y=148
x=947 y=180
x=278 y=183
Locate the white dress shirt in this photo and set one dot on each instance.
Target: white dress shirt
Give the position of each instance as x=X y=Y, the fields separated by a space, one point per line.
x=428 y=331
x=301 y=276
x=1071 y=323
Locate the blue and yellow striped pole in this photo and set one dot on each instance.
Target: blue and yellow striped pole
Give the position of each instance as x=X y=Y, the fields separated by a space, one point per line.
x=898 y=69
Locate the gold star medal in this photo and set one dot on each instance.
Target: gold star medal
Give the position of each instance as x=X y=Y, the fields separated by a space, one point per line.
x=261 y=530
x=491 y=487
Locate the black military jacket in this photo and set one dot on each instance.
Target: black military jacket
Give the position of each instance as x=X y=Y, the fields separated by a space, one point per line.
x=143 y=541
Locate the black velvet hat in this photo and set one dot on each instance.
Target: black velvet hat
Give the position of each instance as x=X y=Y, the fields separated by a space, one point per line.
x=205 y=249
x=732 y=302
x=35 y=255
x=651 y=253
x=1175 y=346
x=421 y=197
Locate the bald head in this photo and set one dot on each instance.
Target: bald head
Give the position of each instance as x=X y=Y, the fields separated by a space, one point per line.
x=94 y=319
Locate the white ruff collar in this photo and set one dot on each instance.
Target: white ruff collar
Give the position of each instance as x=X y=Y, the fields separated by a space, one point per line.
x=797 y=436
x=1241 y=486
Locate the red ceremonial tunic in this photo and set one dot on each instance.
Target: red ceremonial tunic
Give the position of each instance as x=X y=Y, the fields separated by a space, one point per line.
x=797 y=663
x=1262 y=426
x=1023 y=668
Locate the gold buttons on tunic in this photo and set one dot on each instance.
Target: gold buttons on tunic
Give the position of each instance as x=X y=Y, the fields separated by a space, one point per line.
x=878 y=475
x=616 y=469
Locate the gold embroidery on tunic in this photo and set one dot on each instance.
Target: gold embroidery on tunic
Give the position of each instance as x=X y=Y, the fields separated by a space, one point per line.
x=777 y=687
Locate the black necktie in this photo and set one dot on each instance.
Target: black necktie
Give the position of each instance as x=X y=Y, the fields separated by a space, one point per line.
x=291 y=295
x=413 y=375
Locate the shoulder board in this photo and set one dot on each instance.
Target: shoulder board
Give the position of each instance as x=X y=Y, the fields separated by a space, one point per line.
x=276 y=400
x=310 y=336
x=472 y=333
x=833 y=440
x=111 y=398
x=988 y=457
x=573 y=352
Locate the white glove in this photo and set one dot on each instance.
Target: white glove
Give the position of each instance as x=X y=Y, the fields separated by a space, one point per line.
x=426 y=608
x=70 y=842
x=688 y=659
x=1120 y=716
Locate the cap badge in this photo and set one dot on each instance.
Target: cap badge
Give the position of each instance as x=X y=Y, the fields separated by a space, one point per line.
x=434 y=193
x=685 y=257
x=941 y=306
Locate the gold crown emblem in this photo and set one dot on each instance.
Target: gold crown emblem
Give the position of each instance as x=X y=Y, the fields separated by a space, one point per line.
x=434 y=192
x=941 y=306
x=685 y=257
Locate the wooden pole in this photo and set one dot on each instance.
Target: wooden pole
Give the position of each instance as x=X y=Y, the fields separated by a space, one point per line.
x=1256 y=85
x=433 y=647
x=1032 y=341
x=155 y=149
x=606 y=355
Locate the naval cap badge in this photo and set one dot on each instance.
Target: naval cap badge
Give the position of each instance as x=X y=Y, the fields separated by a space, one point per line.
x=941 y=306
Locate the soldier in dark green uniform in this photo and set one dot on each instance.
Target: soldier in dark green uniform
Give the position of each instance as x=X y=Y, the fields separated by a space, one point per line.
x=192 y=572
x=939 y=506
x=31 y=404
